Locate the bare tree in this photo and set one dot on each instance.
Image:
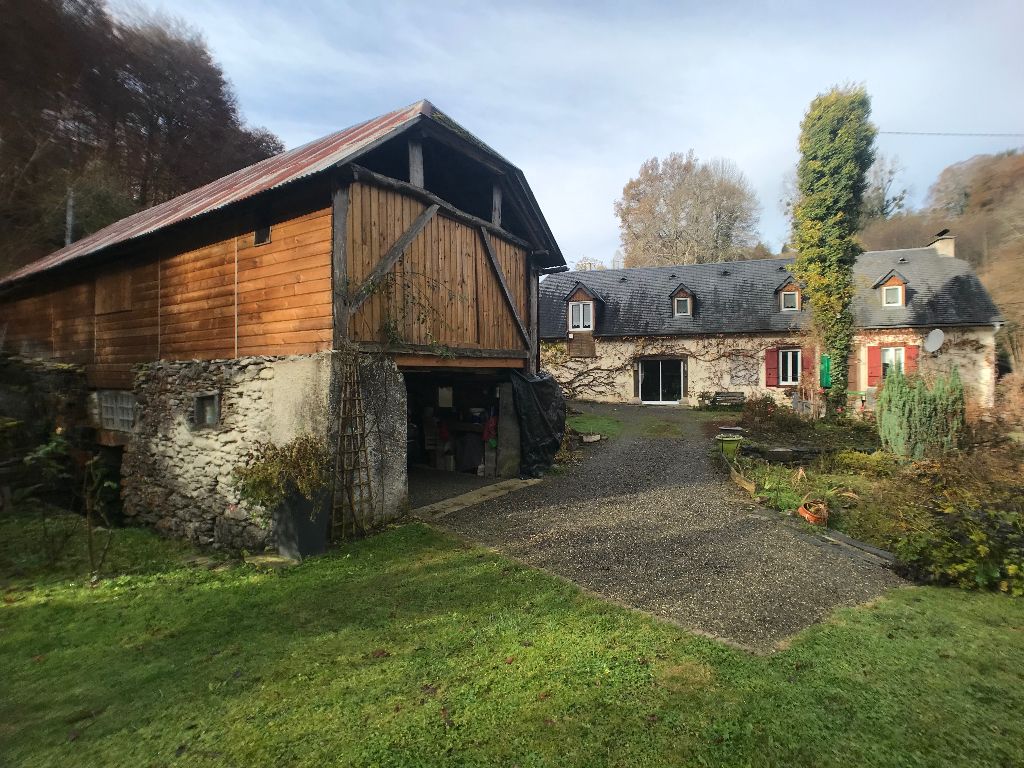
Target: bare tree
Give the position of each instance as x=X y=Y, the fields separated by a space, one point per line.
x=683 y=211
x=883 y=197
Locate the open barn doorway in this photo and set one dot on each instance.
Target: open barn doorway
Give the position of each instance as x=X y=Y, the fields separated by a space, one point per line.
x=463 y=433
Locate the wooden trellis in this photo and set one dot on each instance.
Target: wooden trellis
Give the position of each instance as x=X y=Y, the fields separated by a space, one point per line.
x=353 y=495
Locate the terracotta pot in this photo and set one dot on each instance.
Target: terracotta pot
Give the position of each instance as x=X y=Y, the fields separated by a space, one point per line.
x=814 y=513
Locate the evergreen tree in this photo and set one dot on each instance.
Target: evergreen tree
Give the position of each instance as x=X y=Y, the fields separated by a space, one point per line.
x=836 y=151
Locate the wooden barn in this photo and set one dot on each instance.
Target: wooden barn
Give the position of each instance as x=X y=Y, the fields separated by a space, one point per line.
x=215 y=320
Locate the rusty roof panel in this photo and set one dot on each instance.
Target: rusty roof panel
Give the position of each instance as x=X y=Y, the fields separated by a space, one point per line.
x=265 y=175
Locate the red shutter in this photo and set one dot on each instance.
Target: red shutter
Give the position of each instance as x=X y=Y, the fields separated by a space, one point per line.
x=771 y=367
x=874 y=366
x=807 y=365
x=910 y=355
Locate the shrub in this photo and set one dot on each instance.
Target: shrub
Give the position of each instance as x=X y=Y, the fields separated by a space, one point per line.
x=764 y=412
x=971 y=546
x=918 y=421
x=271 y=472
x=879 y=463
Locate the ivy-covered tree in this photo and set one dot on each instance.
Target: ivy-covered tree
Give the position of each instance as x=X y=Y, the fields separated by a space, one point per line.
x=836 y=151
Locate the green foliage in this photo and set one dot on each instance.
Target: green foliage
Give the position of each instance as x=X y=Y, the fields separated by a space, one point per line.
x=971 y=530
x=972 y=546
x=271 y=472
x=412 y=649
x=836 y=151
x=917 y=421
x=593 y=423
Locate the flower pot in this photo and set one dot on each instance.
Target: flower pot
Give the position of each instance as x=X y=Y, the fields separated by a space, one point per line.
x=730 y=445
x=814 y=512
x=298 y=532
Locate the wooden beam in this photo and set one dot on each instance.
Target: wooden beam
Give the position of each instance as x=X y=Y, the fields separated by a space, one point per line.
x=389 y=260
x=443 y=353
x=359 y=173
x=509 y=302
x=435 y=362
x=532 y=309
x=416 y=161
x=496 y=204
x=339 y=260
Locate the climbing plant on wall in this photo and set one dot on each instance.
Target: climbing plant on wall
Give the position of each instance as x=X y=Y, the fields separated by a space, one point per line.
x=836 y=151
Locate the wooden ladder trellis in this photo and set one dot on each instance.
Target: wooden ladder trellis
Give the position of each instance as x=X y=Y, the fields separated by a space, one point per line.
x=353 y=496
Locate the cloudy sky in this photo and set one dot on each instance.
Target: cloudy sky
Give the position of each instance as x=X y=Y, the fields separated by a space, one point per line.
x=579 y=94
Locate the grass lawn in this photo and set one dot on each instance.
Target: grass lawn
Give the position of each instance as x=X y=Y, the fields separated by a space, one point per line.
x=593 y=423
x=411 y=648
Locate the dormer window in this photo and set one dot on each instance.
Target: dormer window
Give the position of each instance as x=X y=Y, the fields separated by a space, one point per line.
x=681 y=306
x=892 y=296
x=581 y=315
x=791 y=301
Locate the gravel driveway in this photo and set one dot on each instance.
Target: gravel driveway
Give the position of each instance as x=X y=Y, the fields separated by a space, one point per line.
x=646 y=519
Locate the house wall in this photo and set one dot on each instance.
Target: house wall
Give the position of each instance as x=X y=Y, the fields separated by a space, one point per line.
x=972 y=351
x=609 y=375
x=179 y=479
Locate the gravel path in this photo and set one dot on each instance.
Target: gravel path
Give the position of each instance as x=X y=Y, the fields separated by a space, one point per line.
x=649 y=521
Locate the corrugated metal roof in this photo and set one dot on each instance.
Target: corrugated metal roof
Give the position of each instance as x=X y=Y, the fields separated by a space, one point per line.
x=265 y=175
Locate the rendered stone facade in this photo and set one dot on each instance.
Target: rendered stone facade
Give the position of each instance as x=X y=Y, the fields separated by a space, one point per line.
x=177 y=476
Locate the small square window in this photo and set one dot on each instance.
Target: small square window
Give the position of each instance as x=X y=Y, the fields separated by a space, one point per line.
x=682 y=306
x=581 y=315
x=892 y=295
x=117 y=410
x=892 y=359
x=789 y=367
x=790 y=301
x=261 y=235
x=207 y=410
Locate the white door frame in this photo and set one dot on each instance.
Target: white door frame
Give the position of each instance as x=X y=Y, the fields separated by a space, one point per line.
x=661 y=361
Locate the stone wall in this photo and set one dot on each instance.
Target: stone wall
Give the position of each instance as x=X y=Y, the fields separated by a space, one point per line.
x=609 y=375
x=178 y=477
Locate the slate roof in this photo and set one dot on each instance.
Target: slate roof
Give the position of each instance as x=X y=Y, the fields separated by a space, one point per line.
x=282 y=169
x=740 y=297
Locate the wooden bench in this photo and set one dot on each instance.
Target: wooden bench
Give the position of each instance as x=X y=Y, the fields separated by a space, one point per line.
x=728 y=398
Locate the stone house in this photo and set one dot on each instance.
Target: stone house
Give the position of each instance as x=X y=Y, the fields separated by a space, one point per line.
x=670 y=335
x=375 y=288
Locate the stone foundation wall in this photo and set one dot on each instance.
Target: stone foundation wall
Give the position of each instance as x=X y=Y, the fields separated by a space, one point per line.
x=178 y=478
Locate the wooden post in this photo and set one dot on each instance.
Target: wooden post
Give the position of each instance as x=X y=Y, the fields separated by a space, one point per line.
x=496 y=205
x=339 y=260
x=532 y=311
x=415 y=161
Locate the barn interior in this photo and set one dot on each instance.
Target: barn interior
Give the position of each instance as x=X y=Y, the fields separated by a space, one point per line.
x=463 y=432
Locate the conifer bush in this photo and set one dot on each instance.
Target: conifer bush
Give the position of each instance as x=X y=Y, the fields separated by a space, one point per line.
x=919 y=421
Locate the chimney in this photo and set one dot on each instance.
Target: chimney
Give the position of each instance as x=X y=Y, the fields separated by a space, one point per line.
x=944 y=244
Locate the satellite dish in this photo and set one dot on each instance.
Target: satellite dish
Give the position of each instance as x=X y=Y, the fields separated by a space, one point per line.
x=934 y=340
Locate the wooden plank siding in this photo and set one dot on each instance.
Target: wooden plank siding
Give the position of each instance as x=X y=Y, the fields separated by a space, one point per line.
x=225 y=299
x=209 y=292
x=442 y=291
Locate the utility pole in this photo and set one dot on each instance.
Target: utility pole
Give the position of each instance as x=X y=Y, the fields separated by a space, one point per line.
x=69 y=217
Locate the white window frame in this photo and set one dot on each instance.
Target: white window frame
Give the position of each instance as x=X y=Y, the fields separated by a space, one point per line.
x=897 y=356
x=794 y=370
x=796 y=301
x=586 y=315
x=116 y=409
x=899 y=295
x=675 y=306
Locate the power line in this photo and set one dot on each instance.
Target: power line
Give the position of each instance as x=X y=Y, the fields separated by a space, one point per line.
x=953 y=133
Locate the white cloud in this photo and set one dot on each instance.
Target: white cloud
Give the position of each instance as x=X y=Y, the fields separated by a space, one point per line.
x=579 y=96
